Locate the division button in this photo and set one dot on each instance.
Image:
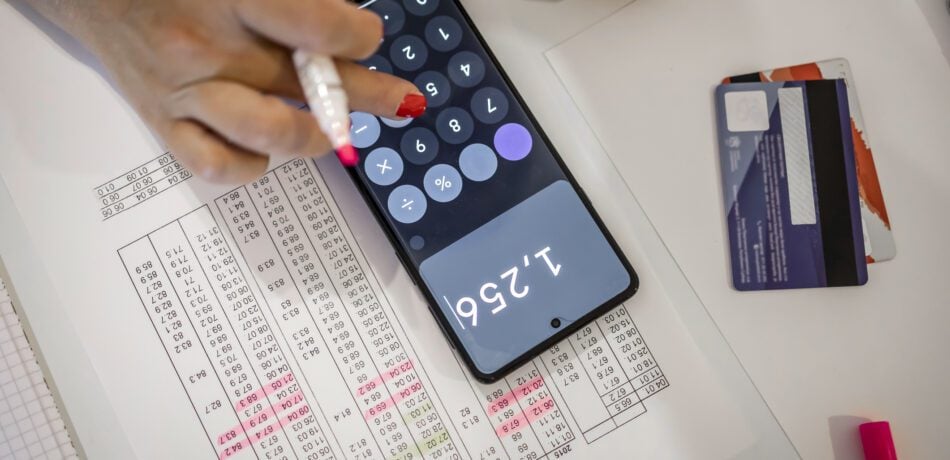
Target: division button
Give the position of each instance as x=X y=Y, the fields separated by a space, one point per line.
x=478 y=162
x=454 y=125
x=419 y=146
x=408 y=53
x=421 y=7
x=466 y=69
x=443 y=33
x=443 y=183
x=407 y=204
x=489 y=105
x=392 y=15
x=435 y=86
x=383 y=166
x=364 y=129
x=513 y=142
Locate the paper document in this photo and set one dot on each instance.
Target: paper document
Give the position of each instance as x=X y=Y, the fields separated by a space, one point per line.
x=30 y=423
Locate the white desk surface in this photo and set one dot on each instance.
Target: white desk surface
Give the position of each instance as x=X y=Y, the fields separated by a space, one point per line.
x=821 y=358
x=876 y=351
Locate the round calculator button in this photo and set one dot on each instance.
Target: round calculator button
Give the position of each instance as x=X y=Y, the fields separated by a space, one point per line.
x=466 y=69
x=454 y=125
x=396 y=123
x=383 y=166
x=443 y=33
x=478 y=162
x=377 y=63
x=392 y=15
x=443 y=183
x=435 y=86
x=489 y=105
x=364 y=129
x=421 y=7
x=407 y=204
x=419 y=146
x=513 y=142
x=408 y=53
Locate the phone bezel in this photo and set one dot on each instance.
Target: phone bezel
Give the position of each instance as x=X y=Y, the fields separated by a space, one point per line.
x=416 y=277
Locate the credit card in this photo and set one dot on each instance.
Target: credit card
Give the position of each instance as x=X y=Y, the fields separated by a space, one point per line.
x=878 y=239
x=790 y=185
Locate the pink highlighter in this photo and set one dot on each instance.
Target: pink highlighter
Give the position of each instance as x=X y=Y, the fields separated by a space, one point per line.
x=877 y=441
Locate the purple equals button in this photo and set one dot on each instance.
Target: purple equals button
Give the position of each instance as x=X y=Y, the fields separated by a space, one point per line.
x=513 y=142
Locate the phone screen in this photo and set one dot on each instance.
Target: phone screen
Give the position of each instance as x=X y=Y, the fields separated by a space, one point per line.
x=482 y=211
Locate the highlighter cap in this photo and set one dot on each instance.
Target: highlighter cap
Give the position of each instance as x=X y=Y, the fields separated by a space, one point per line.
x=877 y=441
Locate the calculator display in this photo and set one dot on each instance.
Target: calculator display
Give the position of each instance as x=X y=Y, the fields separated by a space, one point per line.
x=487 y=219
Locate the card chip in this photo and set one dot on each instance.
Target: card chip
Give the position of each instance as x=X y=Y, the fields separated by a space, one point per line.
x=801 y=189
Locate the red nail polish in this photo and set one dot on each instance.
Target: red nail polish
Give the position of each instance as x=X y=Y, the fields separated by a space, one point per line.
x=413 y=106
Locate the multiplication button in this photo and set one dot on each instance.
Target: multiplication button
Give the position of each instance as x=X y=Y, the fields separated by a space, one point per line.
x=489 y=105
x=408 y=53
x=419 y=145
x=364 y=129
x=407 y=204
x=443 y=33
x=466 y=69
x=383 y=166
x=421 y=7
x=443 y=183
x=454 y=125
x=435 y=86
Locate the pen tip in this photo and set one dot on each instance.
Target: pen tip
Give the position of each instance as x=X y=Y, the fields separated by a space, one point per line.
x=347 y=155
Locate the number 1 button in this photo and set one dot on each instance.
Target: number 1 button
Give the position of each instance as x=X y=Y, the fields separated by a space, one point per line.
x=443 y=33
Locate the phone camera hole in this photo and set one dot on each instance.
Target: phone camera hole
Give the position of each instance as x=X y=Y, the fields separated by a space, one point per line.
x=555 y=323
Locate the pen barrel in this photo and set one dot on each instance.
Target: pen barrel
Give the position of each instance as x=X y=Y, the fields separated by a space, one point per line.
x=325 y=96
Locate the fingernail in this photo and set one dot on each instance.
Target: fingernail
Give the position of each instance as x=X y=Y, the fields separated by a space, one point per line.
x=413 y=106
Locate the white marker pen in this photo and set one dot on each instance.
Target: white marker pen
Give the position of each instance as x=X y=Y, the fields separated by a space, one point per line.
x=328 y=104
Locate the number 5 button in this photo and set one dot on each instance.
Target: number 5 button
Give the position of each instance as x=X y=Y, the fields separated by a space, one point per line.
x=466 y=69
x=489 y=105
x=408 y=53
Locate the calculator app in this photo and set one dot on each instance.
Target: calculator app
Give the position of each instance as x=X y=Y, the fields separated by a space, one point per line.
x=476 y=197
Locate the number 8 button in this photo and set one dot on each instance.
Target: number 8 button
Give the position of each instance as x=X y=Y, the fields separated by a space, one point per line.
x=454 y=125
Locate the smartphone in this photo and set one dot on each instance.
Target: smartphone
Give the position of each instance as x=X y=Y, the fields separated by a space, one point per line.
x=481 y=210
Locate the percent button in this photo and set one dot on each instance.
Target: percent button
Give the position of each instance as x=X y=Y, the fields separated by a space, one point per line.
x=443 y=183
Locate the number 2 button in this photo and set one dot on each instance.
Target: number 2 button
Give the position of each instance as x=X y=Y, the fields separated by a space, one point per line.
x=408 y=53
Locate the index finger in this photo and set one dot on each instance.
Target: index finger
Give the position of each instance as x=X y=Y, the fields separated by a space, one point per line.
x=331 y=27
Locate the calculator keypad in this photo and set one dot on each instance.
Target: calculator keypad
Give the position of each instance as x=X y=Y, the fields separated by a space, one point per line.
x=471 y=131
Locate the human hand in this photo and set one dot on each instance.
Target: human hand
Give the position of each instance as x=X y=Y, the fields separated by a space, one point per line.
x=208 y=76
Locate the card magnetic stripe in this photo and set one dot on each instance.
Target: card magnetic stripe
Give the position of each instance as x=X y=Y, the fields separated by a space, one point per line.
x=825 y=114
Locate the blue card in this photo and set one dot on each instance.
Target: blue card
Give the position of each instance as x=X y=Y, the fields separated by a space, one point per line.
x=789 y=184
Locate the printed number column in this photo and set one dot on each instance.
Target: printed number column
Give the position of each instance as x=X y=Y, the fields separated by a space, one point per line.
x=280 y=400
x=408 y=400
x=183 y=345
x=612 y=384
x=578 y=390
x=220 y=343
x=635 y=357
x=279 y=260
x=336 y=323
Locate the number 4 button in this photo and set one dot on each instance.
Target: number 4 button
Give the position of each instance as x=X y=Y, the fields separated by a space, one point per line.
x=489 y=105
x=466 y=69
